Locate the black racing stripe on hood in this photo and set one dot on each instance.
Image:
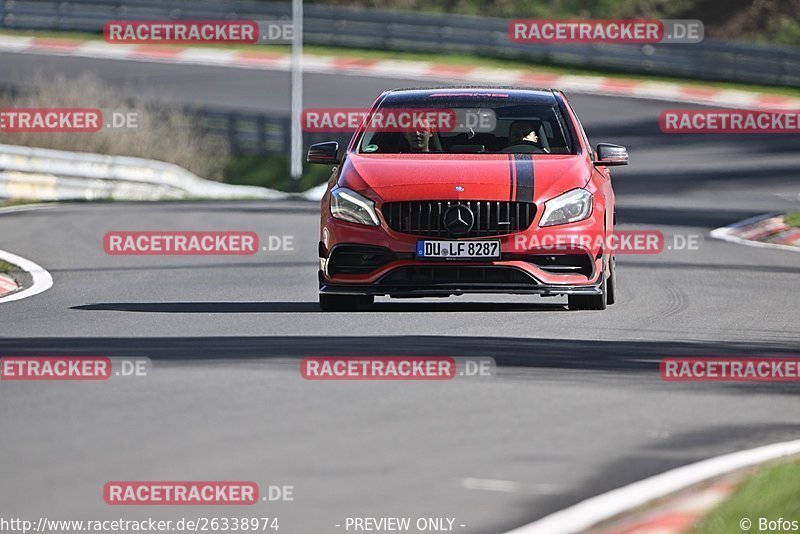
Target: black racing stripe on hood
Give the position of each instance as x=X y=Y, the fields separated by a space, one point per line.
x=523 y=164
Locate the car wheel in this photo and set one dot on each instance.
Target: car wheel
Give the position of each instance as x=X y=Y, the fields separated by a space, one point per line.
x=611 y=285
x=343 y=303
x=590 y=302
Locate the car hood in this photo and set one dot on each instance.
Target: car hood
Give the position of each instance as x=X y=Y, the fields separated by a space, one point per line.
x=520 y=177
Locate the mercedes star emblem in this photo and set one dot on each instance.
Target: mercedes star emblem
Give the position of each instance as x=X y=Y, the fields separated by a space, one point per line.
x=458 y=219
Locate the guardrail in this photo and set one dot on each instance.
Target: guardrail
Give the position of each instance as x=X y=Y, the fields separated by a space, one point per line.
x=434 y=33
x=45 y=174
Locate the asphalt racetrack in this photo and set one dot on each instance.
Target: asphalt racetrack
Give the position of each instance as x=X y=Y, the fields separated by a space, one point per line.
x=577 y=406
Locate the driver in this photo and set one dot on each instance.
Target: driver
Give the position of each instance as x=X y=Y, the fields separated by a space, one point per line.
x=419 y=140
x=522 y=132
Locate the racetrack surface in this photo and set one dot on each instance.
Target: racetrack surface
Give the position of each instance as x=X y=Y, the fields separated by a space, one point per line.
x=577 y=406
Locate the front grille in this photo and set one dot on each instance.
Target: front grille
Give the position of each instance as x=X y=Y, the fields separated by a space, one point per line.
x=457 y=275
x=491 y=218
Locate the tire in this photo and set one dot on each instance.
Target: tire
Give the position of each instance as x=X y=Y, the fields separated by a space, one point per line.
x=590 y=302
x=611 y=285
x=343 y=303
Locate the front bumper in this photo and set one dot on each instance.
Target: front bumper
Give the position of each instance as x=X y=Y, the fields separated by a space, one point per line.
x=563 y=260
x=455 y=288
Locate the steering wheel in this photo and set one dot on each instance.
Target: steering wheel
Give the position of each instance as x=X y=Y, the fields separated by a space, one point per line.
x=524 y=147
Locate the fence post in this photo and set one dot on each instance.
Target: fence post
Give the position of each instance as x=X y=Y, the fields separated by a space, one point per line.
x=233 y=140
x=261 y=134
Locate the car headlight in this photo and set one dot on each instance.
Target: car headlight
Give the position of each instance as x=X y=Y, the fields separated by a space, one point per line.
x=348 y=205
x=572 y=206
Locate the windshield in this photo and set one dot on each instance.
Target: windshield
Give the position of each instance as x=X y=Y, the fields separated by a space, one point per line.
x=478 y=127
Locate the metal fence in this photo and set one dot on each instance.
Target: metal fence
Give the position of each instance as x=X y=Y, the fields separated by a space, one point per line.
x=259 y=133
x=255 y=133
x=434 y=33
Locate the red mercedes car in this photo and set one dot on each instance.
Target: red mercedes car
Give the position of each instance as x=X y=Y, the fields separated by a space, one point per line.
x=479 y=190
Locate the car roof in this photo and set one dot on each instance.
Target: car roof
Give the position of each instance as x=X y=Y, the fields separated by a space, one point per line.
x=433 y=94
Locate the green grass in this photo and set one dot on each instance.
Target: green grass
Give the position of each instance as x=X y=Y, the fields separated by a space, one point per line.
x=452 y=59
x=6 y=267
x=272 y=172
x=5 y=203
x=793 y=219
x=771 y=493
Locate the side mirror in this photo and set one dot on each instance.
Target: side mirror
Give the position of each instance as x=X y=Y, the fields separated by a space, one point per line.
x=609 y=155
x=325 y=153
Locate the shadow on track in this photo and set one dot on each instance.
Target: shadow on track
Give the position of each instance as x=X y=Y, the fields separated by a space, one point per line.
x=684 y=266
x=635 y=360
x=204 y=307
x=313 y=307
x=507 y=351
x=193 y=267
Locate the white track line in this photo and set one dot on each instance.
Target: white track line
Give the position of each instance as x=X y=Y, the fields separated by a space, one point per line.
x=487 y=484
x=42 y=281
x=28 y=207
x=588 y=513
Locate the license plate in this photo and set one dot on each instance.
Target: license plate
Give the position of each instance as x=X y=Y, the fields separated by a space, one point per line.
x=458 y=250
